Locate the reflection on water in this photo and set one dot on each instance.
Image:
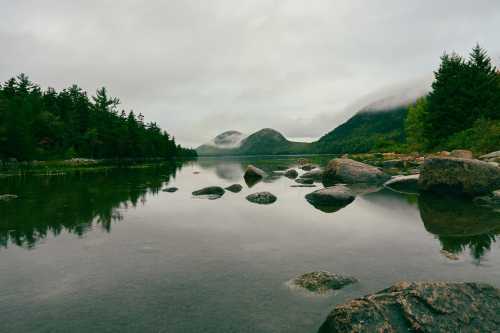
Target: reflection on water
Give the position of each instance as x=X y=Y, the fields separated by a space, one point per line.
x=460 y=224
x=172 y=263
x=73 y=202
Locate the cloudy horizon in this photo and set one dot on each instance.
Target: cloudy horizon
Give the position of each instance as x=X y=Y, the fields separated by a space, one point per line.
x=199 y=68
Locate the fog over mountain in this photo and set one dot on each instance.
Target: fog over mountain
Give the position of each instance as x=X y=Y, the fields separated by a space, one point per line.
x=199 y=68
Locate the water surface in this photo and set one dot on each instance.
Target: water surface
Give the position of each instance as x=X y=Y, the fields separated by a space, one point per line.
x=111 y=252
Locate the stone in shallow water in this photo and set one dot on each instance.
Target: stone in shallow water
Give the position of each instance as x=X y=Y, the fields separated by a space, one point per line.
x=303 y=185
x=171 y=189
x=308 y=167
x=405 y=184
x=212 y=192
x=420 y=307
x=235 y=188
x=316 y=174
x=304 y=181
x=262 y=198
x=291 y=173
x=331 y=199
x=322 y=281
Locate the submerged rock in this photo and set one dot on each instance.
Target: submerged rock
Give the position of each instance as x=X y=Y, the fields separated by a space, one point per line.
x=349 y=171
x=405 y=184
x=170 y=189
x=212 y=192
x=420 y=307
x=235 y=188
x=304 y=181
x=303 y=185
x=291 y=173
x=262 y=198
x=459 y=176
x=8 y=197
x=321 y=282
x=331 y=199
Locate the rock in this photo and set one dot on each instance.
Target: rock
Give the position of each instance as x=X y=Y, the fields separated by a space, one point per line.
x=304 y=180
x=393 y=164
x=331 y=199
x=253 y=172
x=316 y=174
x=449 y=255
x=420 y=307
x=8 y=197
x=302 y=161
x=308 y=167
x=212 y=191
x=262 y=198
x=491 y=156
x=321 y=282
x=235 y=188
x=404 y=184
x=170 y=189
x=461 y=153
x=291 y=173
x=458 y=176
x=350 y=171
x=303 y=185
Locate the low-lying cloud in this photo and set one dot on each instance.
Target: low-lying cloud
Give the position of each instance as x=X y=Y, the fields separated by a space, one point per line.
x=199 y=68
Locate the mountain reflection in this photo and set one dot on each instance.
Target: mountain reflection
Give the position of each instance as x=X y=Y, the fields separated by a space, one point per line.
x=74 y=203
x=459 y=224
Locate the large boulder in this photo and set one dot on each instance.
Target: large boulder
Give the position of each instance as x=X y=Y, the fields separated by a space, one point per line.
x=331 y=199
x=458 y=176
x=262 y=198
x=404 y=184
x=420 y=307
x=349 y=171
x=321 y=282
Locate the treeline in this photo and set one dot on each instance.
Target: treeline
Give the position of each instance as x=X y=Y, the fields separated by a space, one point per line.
x=41 y=125
x=463 y=108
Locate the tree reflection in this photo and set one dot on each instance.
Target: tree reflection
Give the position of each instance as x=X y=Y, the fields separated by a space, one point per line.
x=459 y=224
x=74 y=203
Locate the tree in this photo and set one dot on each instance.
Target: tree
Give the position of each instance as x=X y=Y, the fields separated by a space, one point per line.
x=414 y=125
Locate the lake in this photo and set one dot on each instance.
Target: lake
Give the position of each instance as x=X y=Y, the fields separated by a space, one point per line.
x=112 y=252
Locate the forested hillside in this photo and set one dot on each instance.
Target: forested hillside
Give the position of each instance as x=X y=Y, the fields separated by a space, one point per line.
x=365 y=131
x=38 y=124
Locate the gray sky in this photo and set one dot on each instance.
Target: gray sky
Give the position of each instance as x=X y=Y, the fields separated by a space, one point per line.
x=202 y=67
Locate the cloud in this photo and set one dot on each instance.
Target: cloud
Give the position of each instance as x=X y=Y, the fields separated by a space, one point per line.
x=201 y=67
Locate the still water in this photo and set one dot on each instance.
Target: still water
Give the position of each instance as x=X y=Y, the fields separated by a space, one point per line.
x=112 y=252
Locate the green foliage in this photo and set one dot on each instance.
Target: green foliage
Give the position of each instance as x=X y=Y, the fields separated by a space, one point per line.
x=483 y=137
x=414 y=125
x=36 y=124
x=463 y=92
x=366 y=131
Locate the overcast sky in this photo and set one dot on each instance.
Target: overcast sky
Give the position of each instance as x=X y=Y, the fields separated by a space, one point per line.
x=202 y=67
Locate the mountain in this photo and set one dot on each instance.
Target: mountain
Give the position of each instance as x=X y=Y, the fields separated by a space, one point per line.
x=264 y=142
x=367 y=130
